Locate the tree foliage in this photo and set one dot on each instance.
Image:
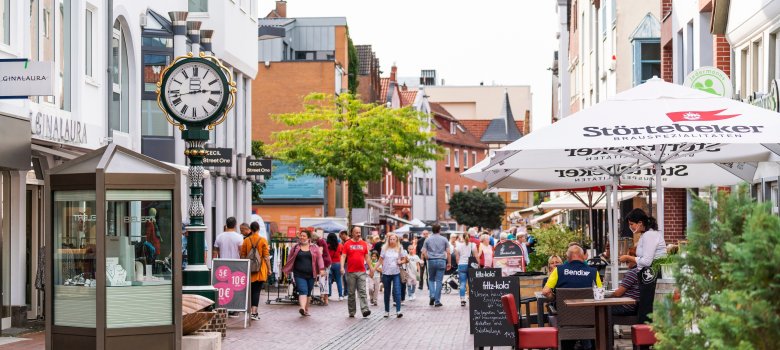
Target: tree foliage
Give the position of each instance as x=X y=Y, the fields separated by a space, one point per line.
x=728 y=279
x=342 y=138
x=354 y=65
x=477 y=208
x=258 y=187
x=554 y=240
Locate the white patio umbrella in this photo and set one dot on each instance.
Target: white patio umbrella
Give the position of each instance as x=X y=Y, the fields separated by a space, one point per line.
x=656 y=122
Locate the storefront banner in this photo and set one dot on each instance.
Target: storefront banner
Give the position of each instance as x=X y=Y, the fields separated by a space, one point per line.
x=285 y=184
x=22 y=78
x=56 y=125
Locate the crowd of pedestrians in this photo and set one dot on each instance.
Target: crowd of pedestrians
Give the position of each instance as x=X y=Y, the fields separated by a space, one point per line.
x=394 y=266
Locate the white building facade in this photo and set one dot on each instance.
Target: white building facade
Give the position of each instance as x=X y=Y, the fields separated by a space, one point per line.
x=753 y=30
x=107 y=57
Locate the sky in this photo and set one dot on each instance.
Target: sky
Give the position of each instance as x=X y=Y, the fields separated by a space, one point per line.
x=501 y=42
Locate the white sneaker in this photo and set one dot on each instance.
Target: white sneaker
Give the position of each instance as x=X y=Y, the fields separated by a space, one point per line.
x=387 y=314
x=341 y=298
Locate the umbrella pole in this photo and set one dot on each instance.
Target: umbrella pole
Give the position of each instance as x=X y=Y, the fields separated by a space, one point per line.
x=613 y=241
x=659 y=197
x=611 y=225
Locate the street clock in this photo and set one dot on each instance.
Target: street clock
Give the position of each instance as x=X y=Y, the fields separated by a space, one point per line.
x=196 y=92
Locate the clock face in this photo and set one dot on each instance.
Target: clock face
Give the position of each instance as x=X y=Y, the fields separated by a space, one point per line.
x=194 y=91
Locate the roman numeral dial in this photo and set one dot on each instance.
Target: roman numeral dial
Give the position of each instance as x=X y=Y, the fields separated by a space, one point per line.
x=194 y=90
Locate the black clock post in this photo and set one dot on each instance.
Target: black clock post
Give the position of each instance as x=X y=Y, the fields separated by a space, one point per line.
x=196 y=102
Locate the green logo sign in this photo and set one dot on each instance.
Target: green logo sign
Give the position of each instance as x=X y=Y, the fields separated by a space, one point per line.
x=710 y=79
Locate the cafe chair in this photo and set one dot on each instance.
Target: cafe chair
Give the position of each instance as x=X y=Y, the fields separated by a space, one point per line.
x=528 y=338
x=642 y=335
x=574 y=323
x=644 y=306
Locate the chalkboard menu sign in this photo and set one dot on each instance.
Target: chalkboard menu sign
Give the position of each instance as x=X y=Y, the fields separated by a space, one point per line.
x=231 y=279
x=488 y=320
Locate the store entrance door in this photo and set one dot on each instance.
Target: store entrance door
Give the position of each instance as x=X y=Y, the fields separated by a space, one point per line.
x=34 y=231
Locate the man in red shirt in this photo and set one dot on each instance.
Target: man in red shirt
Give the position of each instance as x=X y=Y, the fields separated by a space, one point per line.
x=355 y=256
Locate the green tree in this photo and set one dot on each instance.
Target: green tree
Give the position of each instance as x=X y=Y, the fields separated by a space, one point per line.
x=342 y=138
x=477 y=208
x=258 y=187
x=730 y=295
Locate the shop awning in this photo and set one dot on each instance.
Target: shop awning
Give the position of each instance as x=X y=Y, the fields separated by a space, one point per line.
x=570 y=201
x=547 y=216
x=395 y=218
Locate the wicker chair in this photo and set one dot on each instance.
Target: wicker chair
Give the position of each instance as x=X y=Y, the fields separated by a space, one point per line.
x=574 y=322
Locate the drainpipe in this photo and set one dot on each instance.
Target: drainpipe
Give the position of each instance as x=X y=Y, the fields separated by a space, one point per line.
x=179 y=22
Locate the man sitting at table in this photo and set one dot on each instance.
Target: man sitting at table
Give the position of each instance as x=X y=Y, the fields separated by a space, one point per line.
x=629 y=287
x=573 y=274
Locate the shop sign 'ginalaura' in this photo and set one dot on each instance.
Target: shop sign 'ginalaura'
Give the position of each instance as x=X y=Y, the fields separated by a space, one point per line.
x=58 y=126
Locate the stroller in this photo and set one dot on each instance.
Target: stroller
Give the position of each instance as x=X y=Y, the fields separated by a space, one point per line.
x=451 y=282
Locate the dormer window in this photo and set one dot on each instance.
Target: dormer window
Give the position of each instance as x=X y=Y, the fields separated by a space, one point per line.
x=453 y=127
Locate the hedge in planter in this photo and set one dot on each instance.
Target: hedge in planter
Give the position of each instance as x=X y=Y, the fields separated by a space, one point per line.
x=728 y=279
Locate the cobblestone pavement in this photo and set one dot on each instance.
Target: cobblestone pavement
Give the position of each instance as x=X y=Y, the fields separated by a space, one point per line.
x=329 y=327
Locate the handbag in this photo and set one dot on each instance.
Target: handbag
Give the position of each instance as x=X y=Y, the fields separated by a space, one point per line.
x=404 y=275
x=473 y=262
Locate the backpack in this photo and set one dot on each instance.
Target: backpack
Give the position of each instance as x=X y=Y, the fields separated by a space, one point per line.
x=254 y=257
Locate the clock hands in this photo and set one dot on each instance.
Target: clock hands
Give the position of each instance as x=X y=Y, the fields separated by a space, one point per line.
x=193 y=92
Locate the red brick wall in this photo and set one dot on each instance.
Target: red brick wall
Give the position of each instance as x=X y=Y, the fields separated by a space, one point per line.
x=675 y=214
x=666 y=51
x=281 y=88
x=722 y=53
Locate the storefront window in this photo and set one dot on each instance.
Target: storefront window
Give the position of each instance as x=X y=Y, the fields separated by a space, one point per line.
x=139 y=263
x=74 y=253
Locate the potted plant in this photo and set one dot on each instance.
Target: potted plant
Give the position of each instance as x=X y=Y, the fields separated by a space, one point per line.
x=667 y=265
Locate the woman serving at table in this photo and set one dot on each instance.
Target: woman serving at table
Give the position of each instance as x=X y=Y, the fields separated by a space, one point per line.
x=651 y=244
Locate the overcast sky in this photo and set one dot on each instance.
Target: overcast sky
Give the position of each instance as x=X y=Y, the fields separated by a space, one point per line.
x=506 y=42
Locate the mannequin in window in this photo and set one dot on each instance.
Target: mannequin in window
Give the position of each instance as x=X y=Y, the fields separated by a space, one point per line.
x=153 y=230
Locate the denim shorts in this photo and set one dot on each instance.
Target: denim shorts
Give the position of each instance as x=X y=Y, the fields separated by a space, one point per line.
x=304 y=285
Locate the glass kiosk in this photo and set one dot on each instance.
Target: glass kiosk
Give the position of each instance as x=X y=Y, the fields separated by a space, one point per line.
x=115 y=280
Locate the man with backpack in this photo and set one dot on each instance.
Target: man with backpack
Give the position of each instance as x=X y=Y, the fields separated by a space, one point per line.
x=255 y=248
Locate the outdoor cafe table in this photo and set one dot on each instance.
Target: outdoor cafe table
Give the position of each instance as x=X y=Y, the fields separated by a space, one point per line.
x=602 y=307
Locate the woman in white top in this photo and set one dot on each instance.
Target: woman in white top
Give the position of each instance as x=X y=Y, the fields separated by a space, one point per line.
x=651 y=244
x=391 y=259
x=485 y=251
x=463 y=251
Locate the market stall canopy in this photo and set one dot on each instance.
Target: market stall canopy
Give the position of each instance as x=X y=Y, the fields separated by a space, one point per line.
x=570 y=201
x=546 y=216
x=330 y=226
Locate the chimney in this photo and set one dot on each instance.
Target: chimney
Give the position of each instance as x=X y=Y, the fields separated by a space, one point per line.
x=281 y=8
x=527 y=123
x=393 y=71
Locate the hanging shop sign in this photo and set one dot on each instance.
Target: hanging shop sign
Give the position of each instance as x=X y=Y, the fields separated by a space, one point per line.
x=216 y=157
x=768 y=100
x=710 y=79
x=20 y=78
x=258 y=167
x=55 y=125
